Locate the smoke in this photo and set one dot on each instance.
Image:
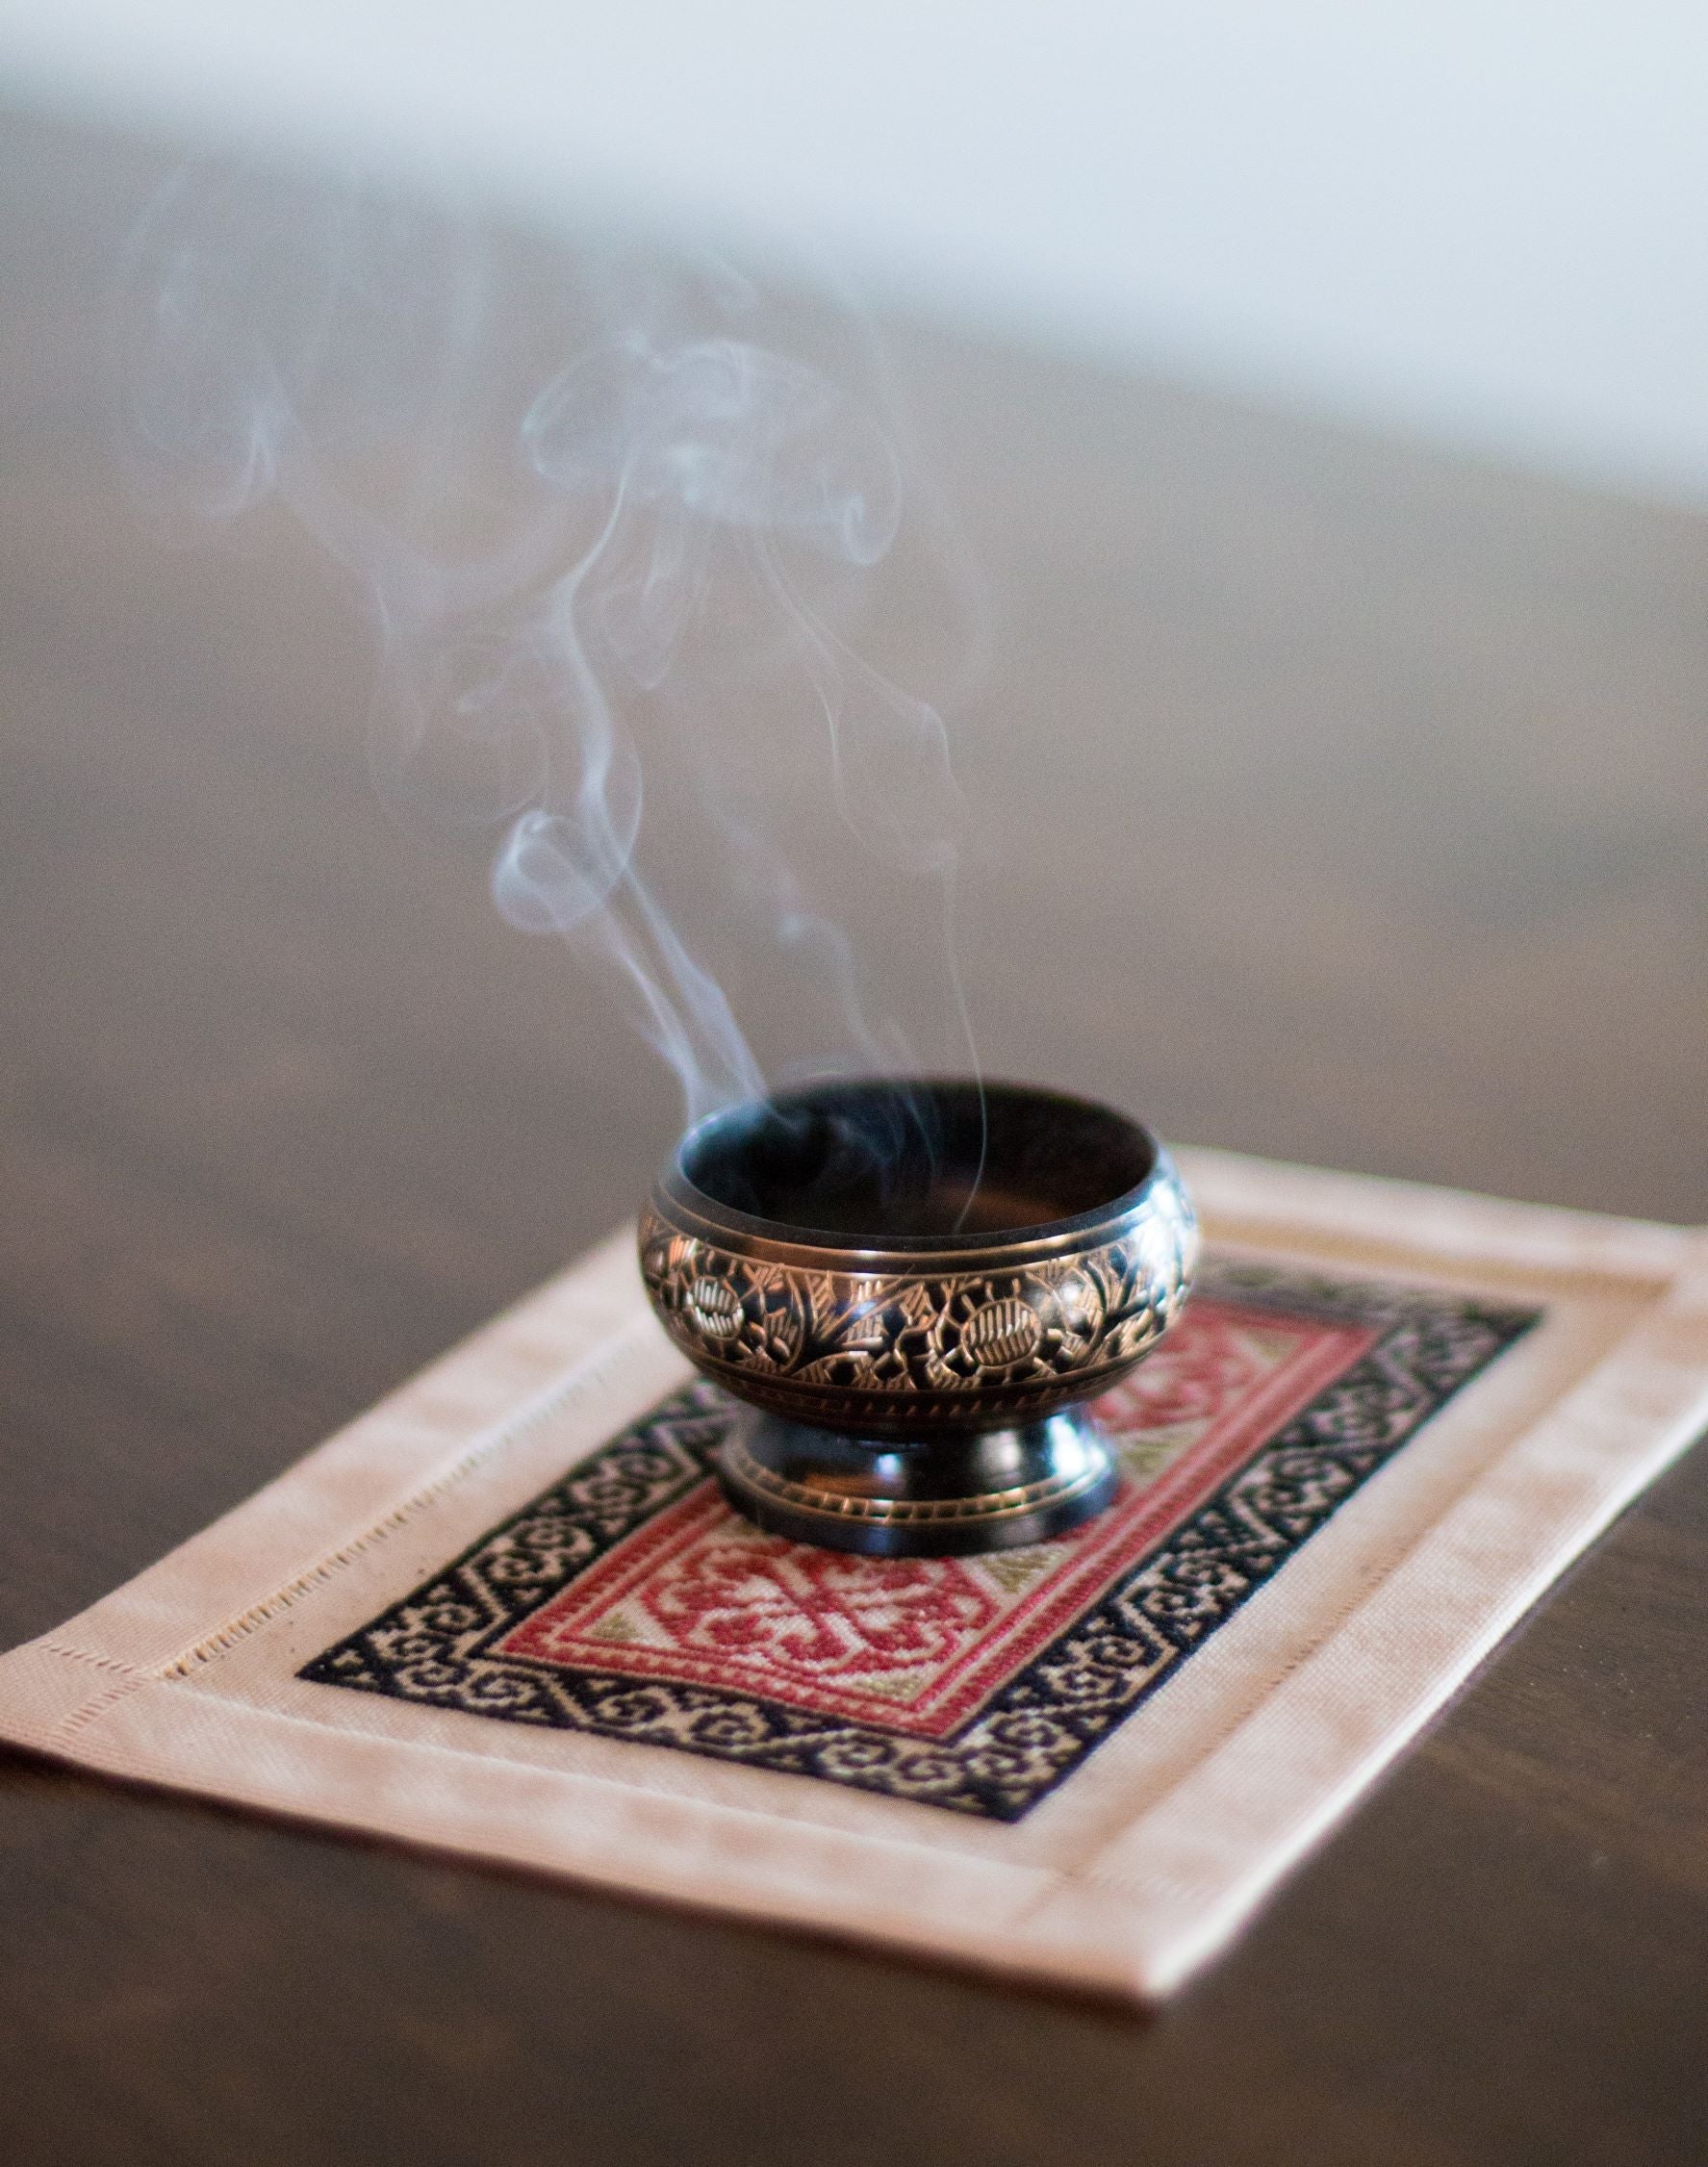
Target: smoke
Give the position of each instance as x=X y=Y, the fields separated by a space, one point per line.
x=583 y=505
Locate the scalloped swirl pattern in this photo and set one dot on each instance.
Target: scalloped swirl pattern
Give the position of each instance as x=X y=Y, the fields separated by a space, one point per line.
x=1042 y=1331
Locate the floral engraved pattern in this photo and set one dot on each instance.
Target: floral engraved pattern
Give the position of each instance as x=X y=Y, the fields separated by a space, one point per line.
x=629 y=1601
x=1039 y=1333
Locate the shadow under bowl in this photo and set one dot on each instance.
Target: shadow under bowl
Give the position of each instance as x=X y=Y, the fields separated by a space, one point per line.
x=913 y=1288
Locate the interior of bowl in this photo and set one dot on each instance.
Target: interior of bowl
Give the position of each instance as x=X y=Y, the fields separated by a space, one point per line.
x=870 y=1162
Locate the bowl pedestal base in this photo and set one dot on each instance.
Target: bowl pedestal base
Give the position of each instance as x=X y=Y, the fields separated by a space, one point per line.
x=988 y=1490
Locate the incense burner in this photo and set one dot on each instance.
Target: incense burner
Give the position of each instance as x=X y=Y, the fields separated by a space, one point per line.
x=913 y=1289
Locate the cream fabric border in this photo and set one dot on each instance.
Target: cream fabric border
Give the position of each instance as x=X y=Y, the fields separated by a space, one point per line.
x=1137 y=1868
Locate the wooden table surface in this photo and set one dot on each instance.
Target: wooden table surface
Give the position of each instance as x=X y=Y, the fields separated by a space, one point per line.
x=1340 y=802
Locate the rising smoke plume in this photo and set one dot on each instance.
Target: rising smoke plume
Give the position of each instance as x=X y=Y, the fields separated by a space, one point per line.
x=571 y=502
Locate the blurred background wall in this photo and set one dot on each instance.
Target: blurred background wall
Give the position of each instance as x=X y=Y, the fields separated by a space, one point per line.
x=1480 y=221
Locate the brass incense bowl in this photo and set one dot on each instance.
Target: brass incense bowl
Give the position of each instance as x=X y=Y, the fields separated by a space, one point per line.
x=912 y=1287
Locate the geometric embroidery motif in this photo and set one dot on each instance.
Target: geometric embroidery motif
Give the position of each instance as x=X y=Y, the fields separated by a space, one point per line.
x=631 y=1602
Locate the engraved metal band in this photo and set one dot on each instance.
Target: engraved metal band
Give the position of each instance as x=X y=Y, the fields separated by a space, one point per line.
x=985 y=1505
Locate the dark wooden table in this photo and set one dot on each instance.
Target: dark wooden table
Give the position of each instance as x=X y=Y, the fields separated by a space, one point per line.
x=1340 y=802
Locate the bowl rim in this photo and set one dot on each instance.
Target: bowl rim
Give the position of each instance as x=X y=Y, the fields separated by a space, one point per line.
x=675 y=1198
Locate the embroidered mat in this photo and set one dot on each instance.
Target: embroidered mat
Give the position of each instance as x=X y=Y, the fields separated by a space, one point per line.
x=507 y=1611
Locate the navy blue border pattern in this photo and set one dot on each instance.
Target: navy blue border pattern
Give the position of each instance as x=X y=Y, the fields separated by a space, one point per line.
x=434 y=1647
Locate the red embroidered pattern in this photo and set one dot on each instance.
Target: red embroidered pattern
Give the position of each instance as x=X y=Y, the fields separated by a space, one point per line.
x=629 y=1601
x=699 y=1594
